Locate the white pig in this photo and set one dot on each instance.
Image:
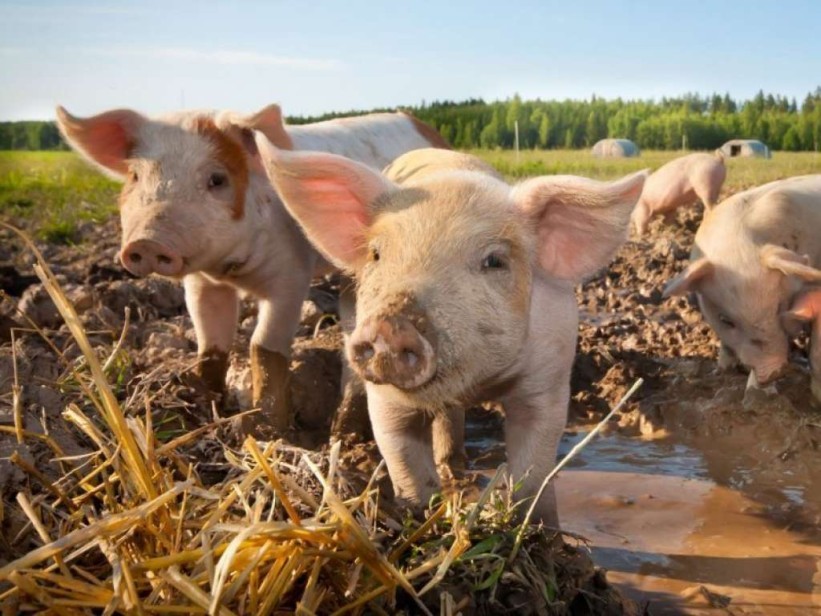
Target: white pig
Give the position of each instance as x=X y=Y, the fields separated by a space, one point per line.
x=464 y=293
x=680 y=182
x=755 y=254
x=196 y=205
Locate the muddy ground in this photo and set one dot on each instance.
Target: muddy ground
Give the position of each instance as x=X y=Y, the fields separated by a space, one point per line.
x=628 y=331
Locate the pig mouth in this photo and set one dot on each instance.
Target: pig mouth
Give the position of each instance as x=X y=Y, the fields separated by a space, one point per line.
x=233 y=267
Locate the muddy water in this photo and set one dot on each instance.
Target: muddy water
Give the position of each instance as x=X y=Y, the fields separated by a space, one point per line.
x=671 y=534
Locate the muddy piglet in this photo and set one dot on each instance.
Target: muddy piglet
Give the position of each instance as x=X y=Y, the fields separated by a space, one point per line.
x=754 y=269
x=680 y=182
x=464 y=293
x=197 y=205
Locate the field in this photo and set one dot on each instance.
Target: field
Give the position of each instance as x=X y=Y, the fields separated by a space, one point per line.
x=55 y=192
x=700 y=497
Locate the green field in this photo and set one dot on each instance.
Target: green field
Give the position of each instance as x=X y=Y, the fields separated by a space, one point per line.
x=51 y=192
x=741 y=172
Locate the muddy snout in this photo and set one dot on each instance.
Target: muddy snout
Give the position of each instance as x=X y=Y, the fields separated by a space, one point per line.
x=768 y=374
x=391 y=350
x=143 y=257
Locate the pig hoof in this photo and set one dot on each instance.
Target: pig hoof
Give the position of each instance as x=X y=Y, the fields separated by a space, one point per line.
x=453 y=468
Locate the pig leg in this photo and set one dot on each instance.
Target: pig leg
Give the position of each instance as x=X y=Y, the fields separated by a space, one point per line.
x=403 y=435
x=708 y=195
x=270 y=354
x=352 y=414
x=449 y=442
x=640 y=217
x=214 y=309
x=533 y=427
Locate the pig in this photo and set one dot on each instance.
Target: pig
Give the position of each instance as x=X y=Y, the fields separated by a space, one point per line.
x=754 y=270
x=196 y=204
x=464 y=293
x=680 y=182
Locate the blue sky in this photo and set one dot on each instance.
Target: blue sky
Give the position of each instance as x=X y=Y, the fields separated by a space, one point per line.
x=313 y=56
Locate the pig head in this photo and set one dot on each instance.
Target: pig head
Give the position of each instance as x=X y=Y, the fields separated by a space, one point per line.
x=197 y=204
x=754 y=255
x=464 y=293
x=187 y=182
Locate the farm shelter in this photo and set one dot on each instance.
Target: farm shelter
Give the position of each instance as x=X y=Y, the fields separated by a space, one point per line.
x=745 y=148
x=615 y=148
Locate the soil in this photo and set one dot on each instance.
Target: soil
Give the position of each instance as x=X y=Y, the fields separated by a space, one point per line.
x=749 y=440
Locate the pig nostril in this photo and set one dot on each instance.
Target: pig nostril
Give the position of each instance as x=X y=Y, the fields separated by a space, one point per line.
x=163 y=260
x=364 y=352
x=135 y=257
x=409 y=357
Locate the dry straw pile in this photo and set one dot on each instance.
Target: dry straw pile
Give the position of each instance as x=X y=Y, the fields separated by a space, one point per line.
x=133 y=529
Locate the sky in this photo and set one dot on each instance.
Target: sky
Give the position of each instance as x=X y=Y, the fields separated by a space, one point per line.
x=316 y=56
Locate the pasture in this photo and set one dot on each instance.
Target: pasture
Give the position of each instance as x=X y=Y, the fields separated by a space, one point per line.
x=699 y=496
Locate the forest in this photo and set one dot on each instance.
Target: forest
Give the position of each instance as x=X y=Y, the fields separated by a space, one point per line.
x=691 y=121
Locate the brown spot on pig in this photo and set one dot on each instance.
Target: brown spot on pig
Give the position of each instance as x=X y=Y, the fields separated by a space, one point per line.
x=231 y=155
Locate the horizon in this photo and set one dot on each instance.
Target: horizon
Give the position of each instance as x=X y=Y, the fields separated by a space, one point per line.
x=326 y=58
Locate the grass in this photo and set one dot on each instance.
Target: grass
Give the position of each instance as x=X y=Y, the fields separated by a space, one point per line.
x=742 y=173
x=51 y=193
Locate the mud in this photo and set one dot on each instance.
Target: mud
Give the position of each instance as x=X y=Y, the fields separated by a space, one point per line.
x=700 y=497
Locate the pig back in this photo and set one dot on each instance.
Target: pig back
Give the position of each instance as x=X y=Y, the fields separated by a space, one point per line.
x=788 y=214
x=418 y=164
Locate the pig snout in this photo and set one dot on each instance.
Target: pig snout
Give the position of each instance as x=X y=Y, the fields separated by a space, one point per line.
x=144 y=257
x=766 y=374
x=391 y=350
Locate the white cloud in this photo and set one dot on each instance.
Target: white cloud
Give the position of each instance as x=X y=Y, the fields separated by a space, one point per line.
x=224 y=56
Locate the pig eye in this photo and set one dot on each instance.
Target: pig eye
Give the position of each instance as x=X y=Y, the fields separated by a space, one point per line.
x=374 y=253
x=494 y=261
x=133 y=176
x=217 y=180
x=726 y=321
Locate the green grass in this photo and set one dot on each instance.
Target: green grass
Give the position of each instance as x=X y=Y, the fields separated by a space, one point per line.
x=741 y=172
x=52 y=192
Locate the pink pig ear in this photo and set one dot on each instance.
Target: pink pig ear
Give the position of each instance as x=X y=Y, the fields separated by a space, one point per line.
x=330 y=196
x=106 y=139
x=688 y=280
x=267 y=120
x=788 y=262
x=581 y=223
x=807 y=307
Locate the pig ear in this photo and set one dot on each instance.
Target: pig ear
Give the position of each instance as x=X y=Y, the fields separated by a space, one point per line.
x=788 y=262
x=807 y=306
x=687 y=280
x=581 y=223
x=106 y=139
x=330 y=196
x=268 y=121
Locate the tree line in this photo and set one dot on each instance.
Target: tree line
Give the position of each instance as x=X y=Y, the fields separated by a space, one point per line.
x=30 y=136
x=692 y=121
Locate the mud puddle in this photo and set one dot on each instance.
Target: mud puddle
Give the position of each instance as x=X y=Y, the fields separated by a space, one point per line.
x=677 y=539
